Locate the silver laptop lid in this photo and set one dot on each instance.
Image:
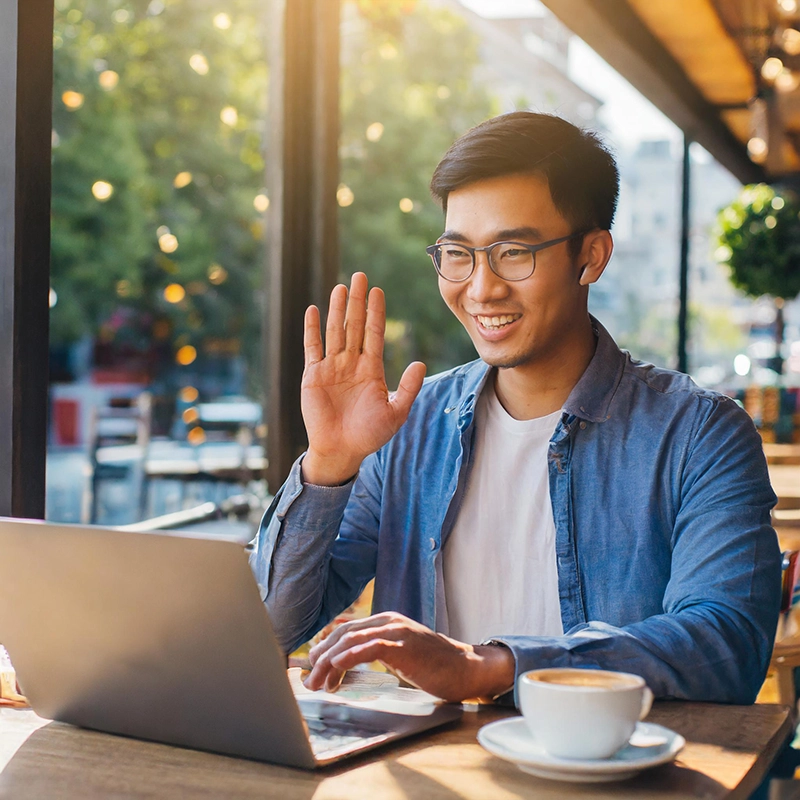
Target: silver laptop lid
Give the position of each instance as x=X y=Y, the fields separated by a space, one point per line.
x=154 y=635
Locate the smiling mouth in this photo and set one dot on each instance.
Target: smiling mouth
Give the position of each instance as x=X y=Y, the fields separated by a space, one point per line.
x=498 y=322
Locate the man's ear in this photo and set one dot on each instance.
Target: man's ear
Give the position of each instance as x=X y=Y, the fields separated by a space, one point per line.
x=595 y=255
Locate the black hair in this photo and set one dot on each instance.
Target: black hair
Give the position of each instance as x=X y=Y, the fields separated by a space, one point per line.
x=579 y=169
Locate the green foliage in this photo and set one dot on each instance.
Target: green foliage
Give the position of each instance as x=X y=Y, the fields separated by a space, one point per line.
x=759 y=239
x=406 y=96
x=149 y=80
x=131 y=111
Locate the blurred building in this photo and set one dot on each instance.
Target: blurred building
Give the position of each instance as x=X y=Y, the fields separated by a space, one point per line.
x=524 y=64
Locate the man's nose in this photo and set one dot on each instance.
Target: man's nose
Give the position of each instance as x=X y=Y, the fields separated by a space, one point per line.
x=484 y=283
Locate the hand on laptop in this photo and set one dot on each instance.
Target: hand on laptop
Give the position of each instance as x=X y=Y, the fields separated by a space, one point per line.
x=348 y=410
x=428 y=660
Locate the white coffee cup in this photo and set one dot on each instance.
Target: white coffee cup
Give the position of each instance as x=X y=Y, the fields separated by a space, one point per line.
x=582 y=713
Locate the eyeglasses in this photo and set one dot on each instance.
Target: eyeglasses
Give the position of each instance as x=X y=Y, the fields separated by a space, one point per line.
x=511 y=261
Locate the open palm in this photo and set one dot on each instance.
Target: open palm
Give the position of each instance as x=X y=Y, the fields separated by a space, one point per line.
x=348 y=410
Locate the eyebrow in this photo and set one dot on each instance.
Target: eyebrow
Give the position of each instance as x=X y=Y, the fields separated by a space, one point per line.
x=525 y=232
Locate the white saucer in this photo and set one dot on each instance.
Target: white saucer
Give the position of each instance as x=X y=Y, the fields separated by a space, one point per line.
x=649 y=746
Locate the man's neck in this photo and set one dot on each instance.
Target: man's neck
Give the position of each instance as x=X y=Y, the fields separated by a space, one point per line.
x=540 y=388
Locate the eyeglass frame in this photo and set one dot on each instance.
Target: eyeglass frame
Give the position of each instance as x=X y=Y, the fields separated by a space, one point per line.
x=533 y=248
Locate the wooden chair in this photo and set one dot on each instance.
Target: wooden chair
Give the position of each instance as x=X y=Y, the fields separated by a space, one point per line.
x=119 y=441
x=786 y=654
x=228 y=452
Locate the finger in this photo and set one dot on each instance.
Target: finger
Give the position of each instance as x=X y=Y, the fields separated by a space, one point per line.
x=392 y=630
x=328 y=672
x=334 y=328
x=374 y=621
x=312 y=336
x=356 y=313
x=383 y=650
x=334 y=679
x=376 y=323
x=407 y=391
x=324 y=676
x=327 y=662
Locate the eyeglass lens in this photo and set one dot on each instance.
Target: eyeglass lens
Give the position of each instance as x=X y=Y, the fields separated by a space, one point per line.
x=508 y=260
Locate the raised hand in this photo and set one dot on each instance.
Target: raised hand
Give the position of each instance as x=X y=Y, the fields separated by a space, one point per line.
x=348 y=410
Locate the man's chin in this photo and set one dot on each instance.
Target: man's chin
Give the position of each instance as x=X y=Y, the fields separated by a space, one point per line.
x=504 y=362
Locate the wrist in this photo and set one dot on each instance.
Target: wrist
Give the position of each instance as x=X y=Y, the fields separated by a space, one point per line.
x=497 y=671
x=322 y=471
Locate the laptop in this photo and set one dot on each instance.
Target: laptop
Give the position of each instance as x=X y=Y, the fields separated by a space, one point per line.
x=164 y=636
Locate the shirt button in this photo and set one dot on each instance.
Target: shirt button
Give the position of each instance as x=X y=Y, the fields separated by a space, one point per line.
x=583 y=426
x=433 y=544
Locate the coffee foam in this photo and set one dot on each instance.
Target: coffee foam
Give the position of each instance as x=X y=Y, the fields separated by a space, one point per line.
x=585 y=678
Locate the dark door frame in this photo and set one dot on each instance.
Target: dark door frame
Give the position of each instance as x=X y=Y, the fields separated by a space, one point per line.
x=302 y=177
x=26 y=90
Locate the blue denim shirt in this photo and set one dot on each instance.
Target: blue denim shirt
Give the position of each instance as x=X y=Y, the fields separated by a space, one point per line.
x=667 y=564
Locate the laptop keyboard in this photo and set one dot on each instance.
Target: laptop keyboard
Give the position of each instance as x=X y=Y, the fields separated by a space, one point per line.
x=329 y=736
x=332 y=728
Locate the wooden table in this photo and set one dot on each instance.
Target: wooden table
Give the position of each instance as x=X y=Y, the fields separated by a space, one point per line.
x=785 y=479
x=729 y=750
x=782 y=453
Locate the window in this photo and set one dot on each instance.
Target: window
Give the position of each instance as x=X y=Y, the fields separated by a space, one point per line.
x=157 y=245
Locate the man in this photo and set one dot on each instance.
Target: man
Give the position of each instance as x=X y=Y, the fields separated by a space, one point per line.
x=554 y=503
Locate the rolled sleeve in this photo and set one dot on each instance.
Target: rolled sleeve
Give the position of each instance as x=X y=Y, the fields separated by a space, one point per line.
x=291 y=550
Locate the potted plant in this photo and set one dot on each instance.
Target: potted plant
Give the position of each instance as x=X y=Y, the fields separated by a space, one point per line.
x=758 y=237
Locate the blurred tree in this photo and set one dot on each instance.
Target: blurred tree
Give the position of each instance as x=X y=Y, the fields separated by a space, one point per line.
x=758 y=237
x=408 y=91
x=158 y=126
x=158 y=164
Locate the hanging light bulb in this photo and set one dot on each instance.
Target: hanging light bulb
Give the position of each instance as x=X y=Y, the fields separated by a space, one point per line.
x=757 y=146
x=787 y=81
x=771 y=68
x=790 y=41
x=757 y=149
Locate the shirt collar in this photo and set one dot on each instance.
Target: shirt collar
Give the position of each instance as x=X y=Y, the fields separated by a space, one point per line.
x=592 y=394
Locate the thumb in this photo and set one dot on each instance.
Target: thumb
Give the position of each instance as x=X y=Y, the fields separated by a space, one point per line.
x=408 y=389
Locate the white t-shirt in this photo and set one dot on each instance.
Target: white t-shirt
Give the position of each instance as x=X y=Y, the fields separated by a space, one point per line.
x=499 y=562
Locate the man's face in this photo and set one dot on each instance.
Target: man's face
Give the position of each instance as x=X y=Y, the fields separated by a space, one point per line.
x=513 y=323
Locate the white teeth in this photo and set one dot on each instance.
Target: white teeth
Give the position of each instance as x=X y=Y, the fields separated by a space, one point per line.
x=493 y=323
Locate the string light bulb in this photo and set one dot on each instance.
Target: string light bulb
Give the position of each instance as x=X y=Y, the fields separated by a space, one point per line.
x=230 y=116
x=375 y=131
x=344 y=196
x=771 y=68
x=102 y=190
x=199 y=63
x=186 y=355
x=189 y=394
x=168 y=242
x=790 y=39
x=787 y=81
x=217 y=274
x=757 y=150
x=108 y=79
x=174 y=293
x=72 y=100
x=182 y=180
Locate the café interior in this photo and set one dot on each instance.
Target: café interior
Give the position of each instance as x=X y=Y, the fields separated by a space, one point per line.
x=726 y=73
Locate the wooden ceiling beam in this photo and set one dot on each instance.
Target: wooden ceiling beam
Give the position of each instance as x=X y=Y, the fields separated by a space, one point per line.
x=614 y=31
